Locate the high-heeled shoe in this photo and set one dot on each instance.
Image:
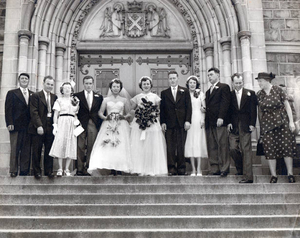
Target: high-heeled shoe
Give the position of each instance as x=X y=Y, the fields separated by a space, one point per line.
x=59 y=173
x=291 y=179
x=67 y=173
x=199 y=174
x=273 y=179
x=193 y=174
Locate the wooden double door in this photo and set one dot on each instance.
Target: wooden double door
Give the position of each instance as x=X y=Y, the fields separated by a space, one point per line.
x=129 y=68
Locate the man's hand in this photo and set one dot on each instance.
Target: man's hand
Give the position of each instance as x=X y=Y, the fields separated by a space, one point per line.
x=229 y=127
x=40 y=130
x=187 y=125
x=164 y=127
x=11 y=127
x=251 y=128
x=220 y=122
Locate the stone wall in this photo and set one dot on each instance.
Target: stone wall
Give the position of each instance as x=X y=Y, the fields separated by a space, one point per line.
x=2 y=24
x=282 y=34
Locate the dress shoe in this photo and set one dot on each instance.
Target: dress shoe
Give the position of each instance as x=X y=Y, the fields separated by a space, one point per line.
x=239 y=174
x=23 y=174
x=13 y=175
x=291 y=179
x=37 y=176
x=246 y=181
x=224 y=174
x=78 y=173
x=50 y=176
x=273 y=179
x=217 y=173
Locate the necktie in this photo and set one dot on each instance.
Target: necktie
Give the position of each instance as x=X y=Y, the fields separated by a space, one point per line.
x=238 y=98
x=88 y=99
x=211 y=88
x=48 y=102
x=25 y=95
x=174 y=93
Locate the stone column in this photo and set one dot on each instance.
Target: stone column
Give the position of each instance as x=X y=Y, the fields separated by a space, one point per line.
x=244 y=37
x=43 y=46
x=59 y=65
x=226 y=48
x=209 y=59
x=24 y=37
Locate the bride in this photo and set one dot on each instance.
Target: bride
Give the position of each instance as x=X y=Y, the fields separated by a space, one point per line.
x=111 y=149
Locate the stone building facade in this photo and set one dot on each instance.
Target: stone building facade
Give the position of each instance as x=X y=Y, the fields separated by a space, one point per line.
x=128 y=39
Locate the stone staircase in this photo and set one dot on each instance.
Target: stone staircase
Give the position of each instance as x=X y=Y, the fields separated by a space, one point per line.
x=160 y=207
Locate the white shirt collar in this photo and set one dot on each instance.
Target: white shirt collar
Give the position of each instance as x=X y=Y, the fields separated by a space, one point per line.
x=176 y=87
x=24 y=89
x=86 y=93
x=45 y=93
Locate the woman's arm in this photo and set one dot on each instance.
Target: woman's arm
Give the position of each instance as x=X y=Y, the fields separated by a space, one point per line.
x=102 y=110
x=127 y=109
x=290 y=115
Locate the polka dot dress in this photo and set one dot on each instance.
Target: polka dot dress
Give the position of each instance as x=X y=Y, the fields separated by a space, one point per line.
x=278 y=140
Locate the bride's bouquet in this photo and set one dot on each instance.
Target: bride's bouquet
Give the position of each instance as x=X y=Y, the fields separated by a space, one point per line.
x=146 y=114
x=112 y=130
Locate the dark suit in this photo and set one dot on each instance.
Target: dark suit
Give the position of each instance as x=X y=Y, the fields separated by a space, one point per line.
x=217 y=105
x=240 y=136
x=38 y=113
x=91 y=123
x=174 y=115
x=17 y=114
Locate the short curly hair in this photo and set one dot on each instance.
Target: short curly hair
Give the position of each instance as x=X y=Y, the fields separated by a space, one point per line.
x=144 y=79
x=117 y=81
x=193 y=78
x=61 y=89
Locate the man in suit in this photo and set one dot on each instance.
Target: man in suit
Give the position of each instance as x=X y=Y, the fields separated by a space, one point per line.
x=90 y=103
x=40 y=126
x=216 y=119
x=17 y=118
x=175 y=118
x=242 y=120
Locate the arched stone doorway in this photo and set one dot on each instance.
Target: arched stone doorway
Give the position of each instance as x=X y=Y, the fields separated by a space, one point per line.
x=56 y=37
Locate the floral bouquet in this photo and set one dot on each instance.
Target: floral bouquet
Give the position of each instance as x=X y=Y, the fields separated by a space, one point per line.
x=146 y=114
x=112 y=130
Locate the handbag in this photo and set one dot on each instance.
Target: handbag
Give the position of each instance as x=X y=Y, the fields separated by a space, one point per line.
x=260 y=147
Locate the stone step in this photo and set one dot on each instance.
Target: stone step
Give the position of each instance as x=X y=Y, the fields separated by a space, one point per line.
x=230 y=179
x=149 y=222
x=146 y=198
x=184 y=209
x=155 y=233
x=149 y=188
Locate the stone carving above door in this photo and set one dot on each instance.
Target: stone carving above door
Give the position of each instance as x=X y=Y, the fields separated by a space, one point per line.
x=134 y=19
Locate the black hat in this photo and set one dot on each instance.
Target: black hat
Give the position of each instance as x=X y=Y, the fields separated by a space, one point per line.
x=264 y=75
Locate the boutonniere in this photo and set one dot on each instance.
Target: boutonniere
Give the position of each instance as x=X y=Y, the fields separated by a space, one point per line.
x=181 y=91
x=96 y=95
x=216 y=87
x=248 y=94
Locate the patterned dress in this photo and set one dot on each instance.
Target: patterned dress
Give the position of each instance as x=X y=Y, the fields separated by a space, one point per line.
x=278 y=140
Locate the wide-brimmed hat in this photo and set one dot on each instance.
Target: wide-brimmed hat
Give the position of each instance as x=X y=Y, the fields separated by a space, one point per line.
x=264 y=75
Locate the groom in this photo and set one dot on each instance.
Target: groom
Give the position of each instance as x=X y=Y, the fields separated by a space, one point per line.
x=175 y=119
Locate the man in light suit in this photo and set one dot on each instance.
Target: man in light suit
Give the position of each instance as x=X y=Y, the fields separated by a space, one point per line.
x=242 y=120
x=17 y=118
x=90 y=103
x=41 y=127
x=216 y=120
x=175 y=118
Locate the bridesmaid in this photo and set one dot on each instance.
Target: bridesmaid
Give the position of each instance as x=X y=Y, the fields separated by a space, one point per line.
x=148 y=145
x=195 y=145
x=65 y=142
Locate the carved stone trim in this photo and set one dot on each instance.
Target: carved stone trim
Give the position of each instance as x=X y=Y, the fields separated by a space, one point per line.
x=246 y=34
x=176 y=3
x=186 y=61
x=88 y=61
x=44 y=40
x=25 y=33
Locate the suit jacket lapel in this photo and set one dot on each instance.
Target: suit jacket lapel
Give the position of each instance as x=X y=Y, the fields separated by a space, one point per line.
x=234 y=100
x=244 y=98
x=170 y=95
x=83 y=100
x=20 y=95
x=214 y=91
x=42 y=97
